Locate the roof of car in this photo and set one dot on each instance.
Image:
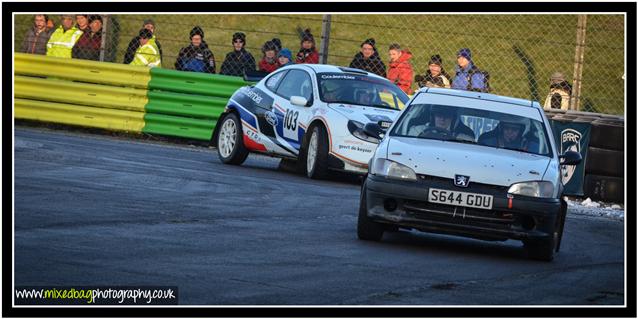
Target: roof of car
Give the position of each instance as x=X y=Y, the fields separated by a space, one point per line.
x=327 y=68
x=481 y=96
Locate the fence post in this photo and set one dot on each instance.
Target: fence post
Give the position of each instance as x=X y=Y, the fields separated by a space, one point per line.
x=325 y=38
x=105 y=23
x=578 y=62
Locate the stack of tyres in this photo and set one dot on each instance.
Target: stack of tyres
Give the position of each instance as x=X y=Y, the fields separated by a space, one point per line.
x=605 y=162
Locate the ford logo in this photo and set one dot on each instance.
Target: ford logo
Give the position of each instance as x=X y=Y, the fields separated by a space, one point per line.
x=271 y=118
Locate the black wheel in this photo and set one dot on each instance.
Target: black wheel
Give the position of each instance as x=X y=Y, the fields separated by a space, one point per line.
x=543 y=249
x=366 y=228
x=230 y=142
x=561 y=224
x=316 y=153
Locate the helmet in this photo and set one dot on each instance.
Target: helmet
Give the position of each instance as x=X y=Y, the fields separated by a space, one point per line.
x=519 y=122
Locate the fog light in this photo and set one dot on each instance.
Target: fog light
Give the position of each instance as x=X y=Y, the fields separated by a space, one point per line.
x=528 y=223
x=390 y=204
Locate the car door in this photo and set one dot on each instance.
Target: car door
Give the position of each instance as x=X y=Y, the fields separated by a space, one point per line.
x=292 y=119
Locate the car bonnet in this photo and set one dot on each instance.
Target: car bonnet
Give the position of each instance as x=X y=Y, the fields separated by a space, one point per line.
x=364 y=114
x=482 y=164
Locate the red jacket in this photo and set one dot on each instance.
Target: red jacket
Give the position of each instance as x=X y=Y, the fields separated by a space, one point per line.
x=265 y=66
x=307 y=56
x=400 y=72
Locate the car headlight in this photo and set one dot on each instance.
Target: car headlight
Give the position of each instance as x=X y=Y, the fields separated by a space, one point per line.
x=541 y=189
x=391 y=169
x=356 y=129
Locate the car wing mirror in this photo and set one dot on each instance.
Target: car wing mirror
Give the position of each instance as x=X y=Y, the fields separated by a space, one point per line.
x=570 y=158
x=374 y=130
x=298 y=100
x=385 y=125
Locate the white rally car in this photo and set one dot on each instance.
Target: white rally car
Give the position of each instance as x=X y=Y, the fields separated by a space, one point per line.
x=313 y=114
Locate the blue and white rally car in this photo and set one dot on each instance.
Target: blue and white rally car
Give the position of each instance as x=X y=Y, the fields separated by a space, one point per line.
x=313 y=114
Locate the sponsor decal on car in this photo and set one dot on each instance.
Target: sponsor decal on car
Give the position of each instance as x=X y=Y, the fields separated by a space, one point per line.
x=271 y=118
x=569 y=141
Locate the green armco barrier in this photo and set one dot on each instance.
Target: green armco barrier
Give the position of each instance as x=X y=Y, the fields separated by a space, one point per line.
x=178 y=104
x=82 y=70
x=179 y=126
x=195 y=83
x=98 y=95
x=71 y=114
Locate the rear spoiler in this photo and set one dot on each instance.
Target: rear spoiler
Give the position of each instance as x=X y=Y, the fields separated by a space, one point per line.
x=254 y=76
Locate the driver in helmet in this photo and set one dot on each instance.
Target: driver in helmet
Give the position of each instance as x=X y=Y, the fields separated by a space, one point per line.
x=444 y=120
x=330 y=91
x=509 y=133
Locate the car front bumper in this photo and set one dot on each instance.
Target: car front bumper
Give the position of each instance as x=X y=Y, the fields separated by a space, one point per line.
x=405 y=204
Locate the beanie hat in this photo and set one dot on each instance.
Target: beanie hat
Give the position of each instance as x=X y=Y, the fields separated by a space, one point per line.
x=436 y=59
x=466 y=53
x=148 y=21
x=239 y=35
x=146 y=33
x=95 y=17
x=269 y=46
x=370 y=42
x=307 y=36
x=285 y=52
x=557 y=77
x=277 y=43
x=197 y=30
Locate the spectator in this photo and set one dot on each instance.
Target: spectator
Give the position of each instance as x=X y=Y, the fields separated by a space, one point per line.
x=196 y=57
x=50 y=24
x=277 y=43
x=559 y=93
x=435 y=76
x=368 y=59
x=90 y=43
x=468 y=76
x=147 y=54
x=308 y=52
x=63 y=38
x=284 y=57
x=400 y=71
x=239 y=60
x=269 y=62
x=35 y=41
x=82 y=22
x=135 y=42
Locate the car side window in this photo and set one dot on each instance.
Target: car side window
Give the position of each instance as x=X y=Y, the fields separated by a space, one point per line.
x=296 y=83
x=274 y=80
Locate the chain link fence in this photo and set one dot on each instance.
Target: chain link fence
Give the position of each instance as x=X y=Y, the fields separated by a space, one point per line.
x=519 y=52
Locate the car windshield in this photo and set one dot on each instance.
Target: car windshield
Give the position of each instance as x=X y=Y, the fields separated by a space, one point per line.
x=360 y=89
x=474 y=126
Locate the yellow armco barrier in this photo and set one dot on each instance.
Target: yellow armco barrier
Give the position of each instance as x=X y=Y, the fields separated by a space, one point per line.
x=57 y=90
x=82 y=70
x=120 y=120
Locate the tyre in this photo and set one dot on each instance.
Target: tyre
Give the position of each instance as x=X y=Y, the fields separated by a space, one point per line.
x=605 y=162
x=230 y=141
x=367 y=229
x=541 y=249
x=316 y=153
x=605 y=188
x=607 y=135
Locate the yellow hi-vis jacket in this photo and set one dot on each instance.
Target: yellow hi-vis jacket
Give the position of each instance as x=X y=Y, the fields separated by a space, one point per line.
x=61 y=42
x=147 y=55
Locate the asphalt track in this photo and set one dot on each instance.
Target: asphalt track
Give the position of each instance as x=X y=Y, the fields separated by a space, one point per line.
x=98 y=210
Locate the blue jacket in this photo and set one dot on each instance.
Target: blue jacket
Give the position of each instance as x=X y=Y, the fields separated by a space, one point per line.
x=469 y=79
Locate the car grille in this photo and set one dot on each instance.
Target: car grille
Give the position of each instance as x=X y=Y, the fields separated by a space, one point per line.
x=488 y=188
x=460 y=215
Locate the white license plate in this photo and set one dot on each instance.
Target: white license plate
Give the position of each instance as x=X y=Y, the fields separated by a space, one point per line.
x=457 y=198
